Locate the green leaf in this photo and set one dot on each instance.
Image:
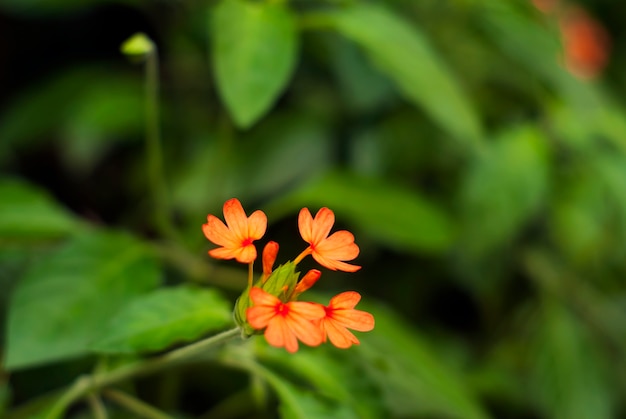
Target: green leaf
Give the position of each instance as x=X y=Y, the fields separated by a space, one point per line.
x=414 y=381
x=300 y=403
x=157 y=320
x=48 y=8
x=5 y=397
x=405 y=55
x=27 y=212
x=396 y=216
x=569 y=375
x=266 y=161
x=254 y=53
x=504 y=189
x=333 y=374
x=87 y=109
x=60 y=305
x=589 y=210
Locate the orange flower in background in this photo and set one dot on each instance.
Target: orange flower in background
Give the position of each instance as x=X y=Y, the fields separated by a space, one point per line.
x=586 y=43
x=238 y=234
x=285 y=323
x=341 y=316
x=329 y=251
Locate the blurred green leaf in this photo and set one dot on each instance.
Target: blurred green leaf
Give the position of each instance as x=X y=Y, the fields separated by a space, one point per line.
x=299 y=403
x=504 y=188
x=336 y=375
x=404 y=54
x=86 y=108
x=267 y=159
x=60 y=305
x=157 y=320
x=5 y=397
x=413 y=380
x=396 y=216
x=579 y=217
x=353 y=72
x=255 y=46
x=569 y=378
x=285 y=149
x=29 y=213
x=524 y=37
x=47 y=7
x=588 y=217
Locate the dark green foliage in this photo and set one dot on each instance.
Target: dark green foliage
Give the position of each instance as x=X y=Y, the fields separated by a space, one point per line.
x=484 y=182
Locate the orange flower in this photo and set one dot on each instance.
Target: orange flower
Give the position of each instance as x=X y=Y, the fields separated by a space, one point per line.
x=586 y=43
x=341 y=316
x=237 y=235
x=329 y=252
x=285 y=323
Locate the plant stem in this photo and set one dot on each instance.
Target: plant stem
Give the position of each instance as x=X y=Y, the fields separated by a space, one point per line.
x=134 y=405
x=154 y=151
x=98 y=409
x=93 y=383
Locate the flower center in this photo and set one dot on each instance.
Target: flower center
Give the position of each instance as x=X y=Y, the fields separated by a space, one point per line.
x=282 y=310
x=246 y=242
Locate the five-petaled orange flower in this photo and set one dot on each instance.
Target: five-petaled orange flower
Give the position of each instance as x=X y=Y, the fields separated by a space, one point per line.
x=329 y=252
x=238 y=234
x=285 y=323
x=341 y=316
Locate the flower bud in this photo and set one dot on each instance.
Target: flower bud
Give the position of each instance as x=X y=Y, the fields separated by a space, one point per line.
x=306 y=282
x=270 y=251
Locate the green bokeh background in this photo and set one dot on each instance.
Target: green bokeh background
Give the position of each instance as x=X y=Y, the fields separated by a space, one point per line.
x=485 y=185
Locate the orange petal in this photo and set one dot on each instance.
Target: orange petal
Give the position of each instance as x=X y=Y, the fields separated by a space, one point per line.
x=361 y=321
x=310 y=311
x=345 y=300
x=224 y=253
x=246 y=254
x=257 y=224
x=236 y=219
x=323 y=222
x=262 y=298
x=334 y=264
x=279 y=334
x=260 y=316
x=305 y=330
x=217 y=232
x=340 y=246
x=339 y=335
x=305 y=225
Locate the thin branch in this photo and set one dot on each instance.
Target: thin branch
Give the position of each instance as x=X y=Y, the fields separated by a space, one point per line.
x=93 y=383
x=134 y=405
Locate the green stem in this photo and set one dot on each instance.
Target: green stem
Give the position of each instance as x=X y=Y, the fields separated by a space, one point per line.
x=98 y=409
x=135 y=406
x=86 y=384
x=154 y=151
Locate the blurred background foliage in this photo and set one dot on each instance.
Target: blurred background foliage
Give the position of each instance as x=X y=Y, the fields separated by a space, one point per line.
x=476 y=148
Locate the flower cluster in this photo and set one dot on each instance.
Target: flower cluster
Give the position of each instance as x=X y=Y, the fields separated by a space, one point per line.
x=271 y=303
